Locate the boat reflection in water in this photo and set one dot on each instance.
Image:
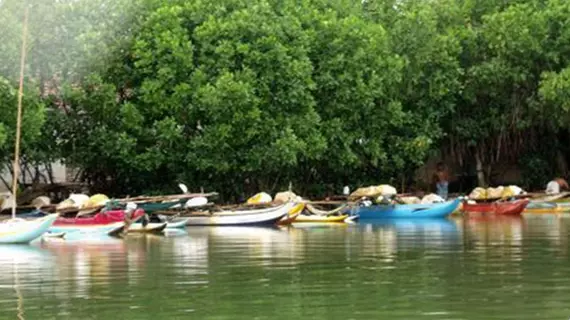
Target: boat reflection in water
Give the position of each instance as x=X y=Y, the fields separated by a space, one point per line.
x=492 y=230
x=24 y=267
x=259 y=245
x=391 y=236
x=86 y=263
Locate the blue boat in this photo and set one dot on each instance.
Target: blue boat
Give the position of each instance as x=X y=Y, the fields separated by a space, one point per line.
x=406 y=211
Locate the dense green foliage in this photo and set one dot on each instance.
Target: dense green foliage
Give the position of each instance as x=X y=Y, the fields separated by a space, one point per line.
x=240 y=96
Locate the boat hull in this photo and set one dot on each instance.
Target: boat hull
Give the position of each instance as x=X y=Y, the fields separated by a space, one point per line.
x=150 y=207
x=109 y=228
x=406 y=211
x=546 y=208
x=291 y=216
x=101 y=218
x=179 y=223
x=151 y=227
x=269 y=216
x=25 y=231
x=320 y=219
x=498 y=208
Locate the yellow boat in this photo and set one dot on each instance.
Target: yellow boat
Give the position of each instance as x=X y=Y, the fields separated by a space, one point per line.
x=292 y=215
x=304 y=218
x=563 y=197
x=544 y=207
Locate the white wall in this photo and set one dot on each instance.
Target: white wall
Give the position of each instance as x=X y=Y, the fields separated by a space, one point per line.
x=59 y=175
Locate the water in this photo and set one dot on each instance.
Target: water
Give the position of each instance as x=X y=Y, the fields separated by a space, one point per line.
x=500 y=269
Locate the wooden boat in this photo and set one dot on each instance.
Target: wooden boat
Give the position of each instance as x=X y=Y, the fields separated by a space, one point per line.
x=405 y=211
x=172 y=223
x=291 y=216
x=53 y=235
x=265 y=216
x=560 y=197
x=151 y=227
x=151 y=204
x=178 y=223
x=112 y=228
x=150 y=207
x=25 y=231
x=499 y=208
x=312 y=218
x=546 y=207
x=109 y=222
x=315 y=211
x=315 y=215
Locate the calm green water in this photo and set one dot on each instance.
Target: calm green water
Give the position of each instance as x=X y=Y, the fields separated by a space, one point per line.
x=503 y=269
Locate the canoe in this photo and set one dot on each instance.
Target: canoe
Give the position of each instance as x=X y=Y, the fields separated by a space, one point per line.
x=178 y=223
x=25 y=231
x=150 y=207
x=151 y=227
x=499 y=208
x=53 y=235
x=174 y=223
x=265 y=216
x=306 y=218
x=101 y=218
x=109 y=222
x=291 y=216
x=406 y=211
x=112 y=228
x=319 y=212
x=546 y=207
x=560 y=197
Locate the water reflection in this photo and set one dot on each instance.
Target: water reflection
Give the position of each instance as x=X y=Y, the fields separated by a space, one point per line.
x=395 y=269
x=493 y=230
x=264 y=246
x=23 y=267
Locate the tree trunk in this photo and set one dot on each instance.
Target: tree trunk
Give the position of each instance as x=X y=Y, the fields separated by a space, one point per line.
x=480 y=173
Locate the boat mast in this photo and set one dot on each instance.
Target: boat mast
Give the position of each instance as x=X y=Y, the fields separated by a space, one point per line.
x=16 y=172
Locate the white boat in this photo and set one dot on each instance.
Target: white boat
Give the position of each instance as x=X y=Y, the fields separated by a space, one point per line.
x=25 y=231
x=175 y=223
x=265 y=216
x=108 y=229
x=151 y=227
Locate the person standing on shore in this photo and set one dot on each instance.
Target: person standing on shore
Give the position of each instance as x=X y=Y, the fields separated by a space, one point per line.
x=441 y=178
x=554 y=186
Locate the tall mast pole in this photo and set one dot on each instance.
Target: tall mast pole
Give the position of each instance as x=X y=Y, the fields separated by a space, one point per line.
x=16 y=172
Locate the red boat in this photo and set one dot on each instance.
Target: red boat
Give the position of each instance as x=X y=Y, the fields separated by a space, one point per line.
x=108 y=221
x=498 y=208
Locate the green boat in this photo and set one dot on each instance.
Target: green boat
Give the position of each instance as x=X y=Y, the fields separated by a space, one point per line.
x=150 y=207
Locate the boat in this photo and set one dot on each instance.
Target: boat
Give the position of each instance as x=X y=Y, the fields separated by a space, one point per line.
x=157 y=220
x=152 y=204
x=265 y=216
x=150 y=207
x=109 y=222
x=24 y=231
x=312 y=218
x=151 y=227
x=50 y=235
x=405 y=211
x=177 y=223
x=499 y=208
x=563 y=197
x=15 y=231
x=315 y=215
x=112 y=228
x=546 y=207
x=290 y=217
